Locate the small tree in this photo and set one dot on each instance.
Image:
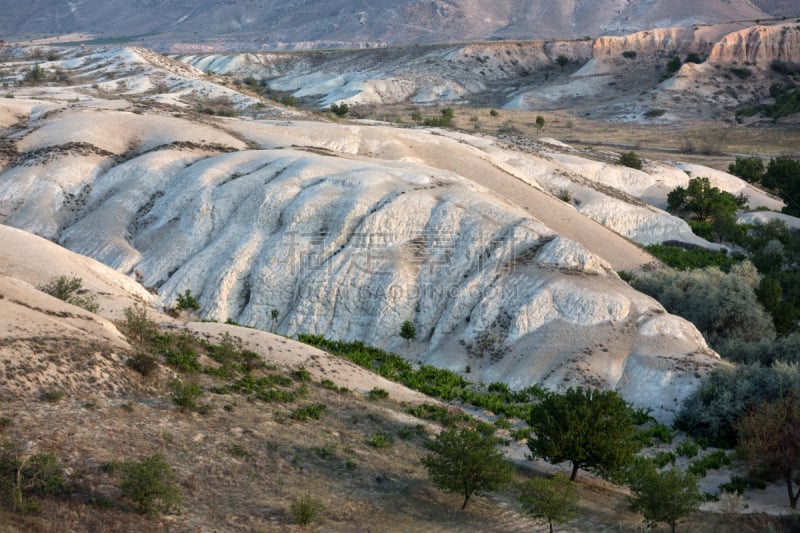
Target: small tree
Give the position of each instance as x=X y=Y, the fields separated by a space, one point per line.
x=769 y=435
x=592 y=429
x=408 y=331
x=274 y=314
x=562 y=61
x=664 y=496
x=187 y=302
x=539 y=122
x=550 y=500
x=138 y=326
x=466 y=462
x=340 y=110
x=149 y=485
x=704 y=201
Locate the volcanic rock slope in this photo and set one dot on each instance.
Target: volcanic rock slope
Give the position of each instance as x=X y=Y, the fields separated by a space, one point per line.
x=349 y=230
x=236 y=24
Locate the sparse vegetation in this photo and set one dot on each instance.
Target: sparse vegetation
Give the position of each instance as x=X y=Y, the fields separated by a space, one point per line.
x=70 y=290
x=305 y=510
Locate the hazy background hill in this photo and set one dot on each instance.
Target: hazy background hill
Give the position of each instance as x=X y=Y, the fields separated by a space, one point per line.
x=304 y=24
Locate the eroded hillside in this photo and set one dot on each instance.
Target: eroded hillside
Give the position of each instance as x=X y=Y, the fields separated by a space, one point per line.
x=349 y=230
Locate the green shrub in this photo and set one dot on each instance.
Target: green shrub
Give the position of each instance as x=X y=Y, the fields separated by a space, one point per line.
x=629 y=54
x=138 y=326
x=187 y=302
x=35 y=75
x=663 y=458
x=493 y=112
x=694 y=258
x=305 y=510
x=340 y=110
x=149 y=484
x=53 y=395
x=687 y=448
x=143 y=363
x=313 y=411
x=630 y=159
x=674 y=65
x=654 y=113
x=301 y=374
x=738 y=484
x=380 y=440
x=71 y=291
x=23 y=476
x=741 y=72
x=694 y=57
x=185 y=394
x=712 y=461
x=378 y=394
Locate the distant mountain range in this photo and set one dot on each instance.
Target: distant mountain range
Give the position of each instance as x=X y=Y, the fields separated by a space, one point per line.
x=227 y=24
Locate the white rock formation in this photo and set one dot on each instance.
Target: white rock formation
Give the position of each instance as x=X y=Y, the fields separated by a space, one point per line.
x=350 y=237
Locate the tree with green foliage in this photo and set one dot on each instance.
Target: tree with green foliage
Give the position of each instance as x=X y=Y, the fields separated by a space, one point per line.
x=591 y=429
x=539 y=122
x=674 y=65
x=703 y=201
x=724 y=307
x=24 y=474
x=783 y=175
x=694 y=57
x=664 y=496
x=340 y=110
x=562 y=61
x=769 y=436
x=713 y=409
x=150 y=485
x=750 y=169
x=187 y=302
x=466 y=461
x=630 y=159
x=408 y=331
x=550 y=500
x=274 y=314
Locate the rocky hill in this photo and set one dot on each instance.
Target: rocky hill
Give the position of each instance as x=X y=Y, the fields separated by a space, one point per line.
x=349 y=230
x=239 y=24
x=619 y=77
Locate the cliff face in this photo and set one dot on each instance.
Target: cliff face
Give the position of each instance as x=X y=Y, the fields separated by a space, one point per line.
x=759 y=45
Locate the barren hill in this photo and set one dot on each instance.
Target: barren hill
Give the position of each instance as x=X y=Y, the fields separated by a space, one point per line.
x=239 y=24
